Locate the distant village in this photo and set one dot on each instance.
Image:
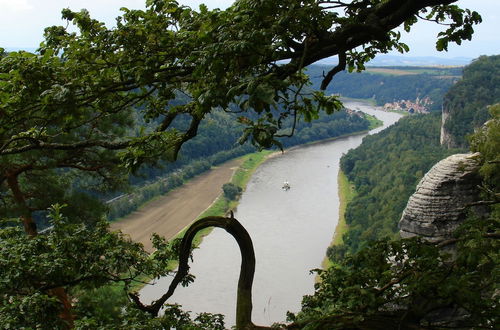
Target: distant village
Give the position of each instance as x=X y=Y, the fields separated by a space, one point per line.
x=417 y=106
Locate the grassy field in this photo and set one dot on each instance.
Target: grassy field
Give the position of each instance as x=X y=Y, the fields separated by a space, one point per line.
x=438 y=71
x=391 y=72
x=374 y=121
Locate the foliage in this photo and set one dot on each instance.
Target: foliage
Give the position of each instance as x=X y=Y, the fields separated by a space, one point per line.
x=231 y=191
x=87 y=259
x=385 y=170
x=486 y=140
x=467 y=100
x=67 y=112
x=410 y=283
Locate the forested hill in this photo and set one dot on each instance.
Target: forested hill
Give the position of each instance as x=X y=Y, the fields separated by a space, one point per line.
x=386 y=168
x=384 y=171
x=465 y=105
x=389 y=84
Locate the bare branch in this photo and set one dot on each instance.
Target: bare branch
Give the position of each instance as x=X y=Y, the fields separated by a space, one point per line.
x=340 y=67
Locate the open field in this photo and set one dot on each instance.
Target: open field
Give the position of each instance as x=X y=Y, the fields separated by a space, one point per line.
x=169 y=214
x=438 y=71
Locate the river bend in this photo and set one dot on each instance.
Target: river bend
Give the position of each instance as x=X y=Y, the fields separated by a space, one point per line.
x=290 y=231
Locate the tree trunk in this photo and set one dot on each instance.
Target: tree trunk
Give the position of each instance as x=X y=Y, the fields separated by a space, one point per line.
x=25 y=213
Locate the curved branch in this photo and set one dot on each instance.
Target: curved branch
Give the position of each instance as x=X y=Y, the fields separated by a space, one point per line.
x=247 y=270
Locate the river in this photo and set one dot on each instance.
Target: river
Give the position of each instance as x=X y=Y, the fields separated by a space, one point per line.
x=290 y=231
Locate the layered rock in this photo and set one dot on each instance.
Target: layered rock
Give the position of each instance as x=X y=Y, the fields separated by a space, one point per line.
x=438 y=205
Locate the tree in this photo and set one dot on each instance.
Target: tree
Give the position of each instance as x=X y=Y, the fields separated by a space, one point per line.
x=411 y=284
x=216 y=57
x=486 y=140
x=231 y=191
x=64 y=111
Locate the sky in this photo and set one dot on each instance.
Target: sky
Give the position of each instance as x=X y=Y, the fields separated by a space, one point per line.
x=22 y=23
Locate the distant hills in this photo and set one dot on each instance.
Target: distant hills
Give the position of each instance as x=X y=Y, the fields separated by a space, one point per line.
x=381 y=60
x=400 y=60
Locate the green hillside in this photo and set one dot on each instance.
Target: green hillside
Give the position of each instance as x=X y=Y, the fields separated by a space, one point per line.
x=467 y=100
x=385 y=170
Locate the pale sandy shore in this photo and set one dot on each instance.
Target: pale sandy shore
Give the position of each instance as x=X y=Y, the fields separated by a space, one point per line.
x=169 y=214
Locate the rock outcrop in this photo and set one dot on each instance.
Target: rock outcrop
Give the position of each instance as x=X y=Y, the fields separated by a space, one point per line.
x=446 y=138
x=438 y=206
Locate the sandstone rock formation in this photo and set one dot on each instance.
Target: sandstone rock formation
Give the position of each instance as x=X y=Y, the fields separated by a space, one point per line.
x=438 y=206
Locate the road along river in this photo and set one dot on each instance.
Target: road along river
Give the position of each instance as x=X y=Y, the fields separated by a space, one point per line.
x=290 y=231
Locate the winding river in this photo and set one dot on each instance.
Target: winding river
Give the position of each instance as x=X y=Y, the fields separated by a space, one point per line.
x=290 y=230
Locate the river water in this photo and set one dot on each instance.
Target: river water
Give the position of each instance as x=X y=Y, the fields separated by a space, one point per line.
x=290 y=231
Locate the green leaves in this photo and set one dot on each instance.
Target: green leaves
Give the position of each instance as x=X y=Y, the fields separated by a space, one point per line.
x=66 y=116
x=261 y=135
x=150 y=148
x=73 y=255
x=407 y=281
x=329 y=104
x=460 y=28
x=486 y=140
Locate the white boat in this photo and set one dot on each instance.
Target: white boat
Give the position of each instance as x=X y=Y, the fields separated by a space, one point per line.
x=286 y=186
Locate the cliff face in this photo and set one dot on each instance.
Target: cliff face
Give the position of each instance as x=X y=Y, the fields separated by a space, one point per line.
x=446 y=137
x=437 y=207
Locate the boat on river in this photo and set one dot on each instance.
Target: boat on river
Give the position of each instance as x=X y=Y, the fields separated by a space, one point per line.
x=286 y=186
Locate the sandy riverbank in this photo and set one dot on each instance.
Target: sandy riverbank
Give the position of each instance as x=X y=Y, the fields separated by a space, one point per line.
x=167 y=215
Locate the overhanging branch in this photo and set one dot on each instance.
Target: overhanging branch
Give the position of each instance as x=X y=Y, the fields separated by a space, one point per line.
x=340 y=67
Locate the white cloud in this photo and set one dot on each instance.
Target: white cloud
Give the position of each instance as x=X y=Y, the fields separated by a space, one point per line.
x=15 y=5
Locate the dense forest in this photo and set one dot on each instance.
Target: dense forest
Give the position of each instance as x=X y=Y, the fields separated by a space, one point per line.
x=408 y=84
x=468 y=99
x=385 y=170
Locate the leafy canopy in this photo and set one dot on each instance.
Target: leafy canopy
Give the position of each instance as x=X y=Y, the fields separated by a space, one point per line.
x=231 y=59
x=67 y=110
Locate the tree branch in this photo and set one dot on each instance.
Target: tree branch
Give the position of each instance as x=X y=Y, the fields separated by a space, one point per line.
x=340 y=67
x=244 y=298
x=40 y=145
